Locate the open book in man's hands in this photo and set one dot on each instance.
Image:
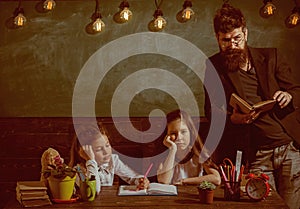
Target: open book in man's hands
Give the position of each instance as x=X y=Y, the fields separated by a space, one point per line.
x=154 y=189
x=240 y=104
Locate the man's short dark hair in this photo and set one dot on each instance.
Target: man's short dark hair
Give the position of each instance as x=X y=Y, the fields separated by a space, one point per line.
x=228 y=18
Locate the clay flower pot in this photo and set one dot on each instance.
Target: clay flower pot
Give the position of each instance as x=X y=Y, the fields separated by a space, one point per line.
x=206 y=196
x=206 y=192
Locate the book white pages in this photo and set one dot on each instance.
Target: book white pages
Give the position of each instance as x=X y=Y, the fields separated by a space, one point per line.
x=154 y=189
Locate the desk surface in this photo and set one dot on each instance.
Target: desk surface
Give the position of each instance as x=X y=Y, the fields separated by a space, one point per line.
x=187 y=198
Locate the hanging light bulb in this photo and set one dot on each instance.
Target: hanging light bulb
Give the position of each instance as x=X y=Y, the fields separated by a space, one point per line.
x=19 y=17
x=49 y=5
x=186 y=13
x=294 y=19
x=44 y=6
x=20 y=20
x=158 y=22
x=124 y=15
x=97 y=25
x=268 y=9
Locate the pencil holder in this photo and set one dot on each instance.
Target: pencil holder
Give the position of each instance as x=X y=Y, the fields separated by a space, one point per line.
x=232 y=190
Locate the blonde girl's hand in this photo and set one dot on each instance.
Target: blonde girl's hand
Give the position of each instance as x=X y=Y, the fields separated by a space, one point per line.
x=86 y=152
x=143 y=183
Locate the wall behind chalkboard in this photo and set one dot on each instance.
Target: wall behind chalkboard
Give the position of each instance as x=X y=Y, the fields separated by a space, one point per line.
x=40 y=63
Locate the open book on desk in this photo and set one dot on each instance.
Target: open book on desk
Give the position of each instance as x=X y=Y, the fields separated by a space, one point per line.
x=240 y=104
x=154 y=189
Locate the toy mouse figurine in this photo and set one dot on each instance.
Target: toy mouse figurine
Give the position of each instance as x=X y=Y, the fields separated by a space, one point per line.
x=50 y=158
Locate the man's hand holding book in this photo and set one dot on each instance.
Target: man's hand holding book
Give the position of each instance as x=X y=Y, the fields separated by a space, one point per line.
x=244 y=113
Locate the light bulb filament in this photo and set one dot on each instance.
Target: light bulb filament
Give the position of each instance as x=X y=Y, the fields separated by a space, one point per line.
x=20 y=20
x=294 y=19
x=269 y=10
x=49 y=5
x=187 y=13
x=98 y=25
x=159 y=22
x=125 y=14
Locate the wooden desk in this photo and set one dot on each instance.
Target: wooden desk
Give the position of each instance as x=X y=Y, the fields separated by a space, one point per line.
x=187 y=199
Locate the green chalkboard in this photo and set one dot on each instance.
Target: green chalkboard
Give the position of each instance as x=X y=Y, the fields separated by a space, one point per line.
x=40 y=64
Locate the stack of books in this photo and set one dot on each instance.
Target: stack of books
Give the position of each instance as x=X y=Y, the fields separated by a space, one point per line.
x=32 y=194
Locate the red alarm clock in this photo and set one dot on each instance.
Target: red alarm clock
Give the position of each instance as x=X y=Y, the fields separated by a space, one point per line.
x=257 y=187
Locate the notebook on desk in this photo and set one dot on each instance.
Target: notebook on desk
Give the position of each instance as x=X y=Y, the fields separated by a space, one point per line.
x=154 y=189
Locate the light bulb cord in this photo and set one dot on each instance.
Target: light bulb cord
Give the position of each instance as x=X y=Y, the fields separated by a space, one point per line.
x=19 y=5
x=97 y=6
x=297 y=7
x=158 y=4
x=124 y=4
x=187 y=3
x=97 y=13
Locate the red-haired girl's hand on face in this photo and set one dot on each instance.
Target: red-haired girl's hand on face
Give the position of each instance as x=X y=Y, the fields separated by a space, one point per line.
x=86 y=152
x=169 y=141
x=173 y=137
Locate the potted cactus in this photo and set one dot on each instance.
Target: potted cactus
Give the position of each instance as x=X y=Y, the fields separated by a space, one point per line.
x=206 y=192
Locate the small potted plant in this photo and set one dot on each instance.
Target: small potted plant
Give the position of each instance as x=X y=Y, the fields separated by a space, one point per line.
x=60 y=178
x=206 y=192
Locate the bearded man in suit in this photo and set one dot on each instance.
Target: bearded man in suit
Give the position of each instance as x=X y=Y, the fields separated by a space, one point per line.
x=271 y=139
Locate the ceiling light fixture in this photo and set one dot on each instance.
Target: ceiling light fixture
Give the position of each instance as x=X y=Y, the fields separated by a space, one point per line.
x=293 y=20
x=44 y=6
x=49 y=5
x=97 y=25
x=268 y=9
x=19 y=17
x=158 y=23
x=186 y=13
x=124 y=15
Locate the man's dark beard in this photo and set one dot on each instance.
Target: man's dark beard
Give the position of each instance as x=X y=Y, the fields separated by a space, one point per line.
x=234 y=59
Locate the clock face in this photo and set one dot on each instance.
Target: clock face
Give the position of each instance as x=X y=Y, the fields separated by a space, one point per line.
x=257 y=188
